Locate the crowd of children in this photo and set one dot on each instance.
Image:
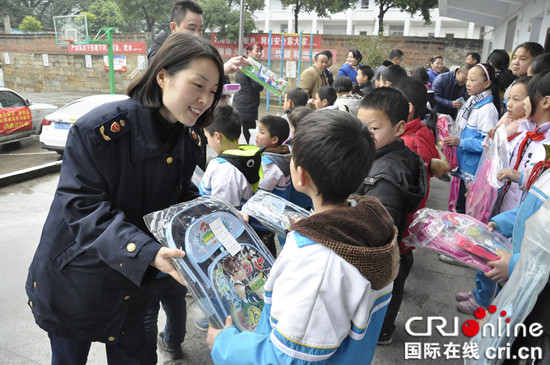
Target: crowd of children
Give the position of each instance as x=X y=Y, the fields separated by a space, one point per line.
x=369 y=150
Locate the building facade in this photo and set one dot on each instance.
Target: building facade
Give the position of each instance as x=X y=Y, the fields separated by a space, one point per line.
x=362 y=19
x=512 y=21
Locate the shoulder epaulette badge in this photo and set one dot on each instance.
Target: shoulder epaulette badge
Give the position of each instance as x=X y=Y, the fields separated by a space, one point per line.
x=111 y=129
x=194 y=136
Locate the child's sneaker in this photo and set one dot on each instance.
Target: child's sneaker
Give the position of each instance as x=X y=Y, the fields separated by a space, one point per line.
x=173 y=354
x=384 y=339
x=202 y=324
x=463 y=296
x=468 y=306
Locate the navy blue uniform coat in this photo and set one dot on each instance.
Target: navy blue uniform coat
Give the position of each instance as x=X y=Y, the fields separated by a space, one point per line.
x=88 y=279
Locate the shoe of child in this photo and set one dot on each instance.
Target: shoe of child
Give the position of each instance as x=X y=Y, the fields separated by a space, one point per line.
x=462 y=296
x=202 y=324
x=444 y=177
x=172 y=354
x=384 y=339
x=468 y=306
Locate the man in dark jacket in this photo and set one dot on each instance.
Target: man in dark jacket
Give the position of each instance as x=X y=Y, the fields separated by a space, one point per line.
x=397 y=178
x=448 y=88
x=186 y=17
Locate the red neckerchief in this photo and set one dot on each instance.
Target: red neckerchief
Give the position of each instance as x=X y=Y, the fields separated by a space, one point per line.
x=513 y=136
x=535 y=136
x=538 y=169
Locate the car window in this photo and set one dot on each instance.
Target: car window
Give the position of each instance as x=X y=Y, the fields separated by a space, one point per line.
x=11 y=100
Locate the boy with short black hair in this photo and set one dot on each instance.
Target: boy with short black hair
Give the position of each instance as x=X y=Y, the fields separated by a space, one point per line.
x=392 y=73
x=345 y=262
x=364 y=79
x=272 y=132
x=398 y=178
x=325 y=97
x=346 y=101
x=294 y=98
x=235 y=173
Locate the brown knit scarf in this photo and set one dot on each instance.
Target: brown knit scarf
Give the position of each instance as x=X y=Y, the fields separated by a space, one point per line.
x=363 y=235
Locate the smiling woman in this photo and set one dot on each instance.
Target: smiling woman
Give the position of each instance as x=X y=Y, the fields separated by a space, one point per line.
x=122 y=160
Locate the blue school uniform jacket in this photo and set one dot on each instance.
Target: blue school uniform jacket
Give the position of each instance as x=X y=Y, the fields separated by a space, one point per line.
x=483 y=117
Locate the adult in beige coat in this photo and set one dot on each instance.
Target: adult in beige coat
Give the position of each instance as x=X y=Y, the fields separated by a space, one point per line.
x=314 y=77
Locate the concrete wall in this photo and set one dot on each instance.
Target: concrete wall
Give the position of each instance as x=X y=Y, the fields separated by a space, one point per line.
x=67 y=71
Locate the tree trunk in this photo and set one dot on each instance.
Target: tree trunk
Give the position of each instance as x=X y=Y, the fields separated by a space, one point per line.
x=296 y=13
x=381 y=14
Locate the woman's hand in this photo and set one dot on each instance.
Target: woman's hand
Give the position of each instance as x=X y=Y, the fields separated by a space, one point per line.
x=451 y=141
x=509 y=174
x=234 y=64
x=213 y=333
x=492 y=226
x=163 y=262
x=500 y=268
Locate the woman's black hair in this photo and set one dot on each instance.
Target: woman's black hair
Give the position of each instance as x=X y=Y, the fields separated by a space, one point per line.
x=176 y=54
x=356 y=54
x=540 y=63
x=432 y=60
x=420 y=73
x=537 y=88
x=500 y=60
x=533 y=47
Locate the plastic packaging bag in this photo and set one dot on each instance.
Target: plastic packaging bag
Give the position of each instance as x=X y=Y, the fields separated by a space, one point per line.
x=197 y=176
x=457 y=235
x=226 y=264
x=484 y=190
x=274 y=212
x=442 y=131
x=519 y=296
x=265 y=77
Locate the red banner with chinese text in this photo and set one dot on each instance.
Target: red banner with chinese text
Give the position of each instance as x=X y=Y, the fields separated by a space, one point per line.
x=15 y=120
x=291 y=46
x=118 y=47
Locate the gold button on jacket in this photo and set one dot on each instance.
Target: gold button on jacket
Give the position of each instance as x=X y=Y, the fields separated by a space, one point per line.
x=131 y=247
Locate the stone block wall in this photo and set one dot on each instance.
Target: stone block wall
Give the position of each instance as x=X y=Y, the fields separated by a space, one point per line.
x=67 y=71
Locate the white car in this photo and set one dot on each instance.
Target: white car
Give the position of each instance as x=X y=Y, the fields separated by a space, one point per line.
x=19 y=118
x=55 y=126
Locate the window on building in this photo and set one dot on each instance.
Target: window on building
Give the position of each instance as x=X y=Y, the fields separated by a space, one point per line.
x=396 y=30
x=431 y=34
x=510 y=33
x=363 y=32
x=284 y=28
x=449 y=35
x=364 y=4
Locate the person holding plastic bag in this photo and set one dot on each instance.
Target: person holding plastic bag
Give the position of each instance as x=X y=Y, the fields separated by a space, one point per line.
x=92 y=272
x=477 y=116
x=537 y=105
x=526 y=294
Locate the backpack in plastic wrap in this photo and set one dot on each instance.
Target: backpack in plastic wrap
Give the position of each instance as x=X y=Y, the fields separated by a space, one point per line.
x=225 y=265
x=274 y=212
x=457 y=235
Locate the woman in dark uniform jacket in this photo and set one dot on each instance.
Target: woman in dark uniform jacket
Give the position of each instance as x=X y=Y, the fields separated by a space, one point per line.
x=91 y=272
x=247 y=99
